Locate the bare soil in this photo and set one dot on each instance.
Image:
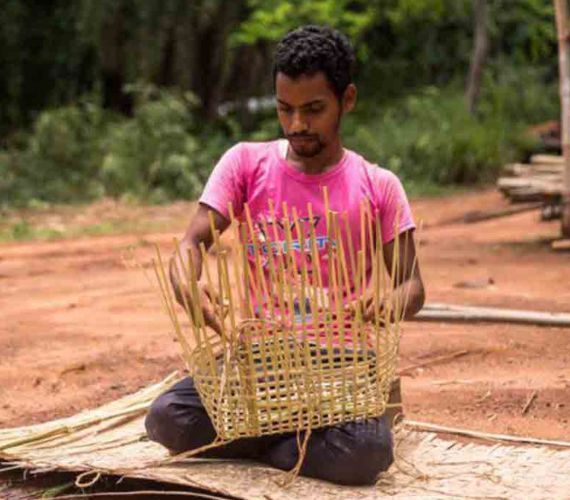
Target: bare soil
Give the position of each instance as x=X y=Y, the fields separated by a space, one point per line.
x=82 y=325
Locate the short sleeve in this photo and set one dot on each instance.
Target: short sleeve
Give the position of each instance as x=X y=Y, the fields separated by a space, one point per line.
x=226 y=184
x=394 y=207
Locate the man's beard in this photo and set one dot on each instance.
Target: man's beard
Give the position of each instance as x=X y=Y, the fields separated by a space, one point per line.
x=313 y=145
x=308 y=148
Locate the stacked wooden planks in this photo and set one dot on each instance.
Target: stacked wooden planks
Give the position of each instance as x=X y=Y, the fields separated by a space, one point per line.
x=539 y=180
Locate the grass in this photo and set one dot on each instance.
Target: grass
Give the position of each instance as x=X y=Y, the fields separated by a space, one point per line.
x=427 y=189
x=23 y=230
x=107 y=217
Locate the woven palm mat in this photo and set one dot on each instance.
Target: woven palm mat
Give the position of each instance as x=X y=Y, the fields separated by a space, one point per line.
x=111 y=440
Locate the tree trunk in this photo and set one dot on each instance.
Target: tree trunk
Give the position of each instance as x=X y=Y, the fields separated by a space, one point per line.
x=479 y=56
x=214 y=57
x=112 y=49
x=563 y=27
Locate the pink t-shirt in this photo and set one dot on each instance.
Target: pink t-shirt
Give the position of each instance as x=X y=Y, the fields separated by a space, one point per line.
x=257 y=173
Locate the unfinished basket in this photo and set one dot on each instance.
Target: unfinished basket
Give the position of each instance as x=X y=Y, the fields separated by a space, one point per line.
x=295 y=351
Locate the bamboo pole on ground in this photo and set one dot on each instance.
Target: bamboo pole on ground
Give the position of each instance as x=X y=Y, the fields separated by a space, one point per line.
x=473 y=314
x=562 y=27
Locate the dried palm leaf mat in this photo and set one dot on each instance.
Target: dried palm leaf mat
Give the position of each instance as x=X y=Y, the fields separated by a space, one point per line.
x=111 y=440
x=290 y=356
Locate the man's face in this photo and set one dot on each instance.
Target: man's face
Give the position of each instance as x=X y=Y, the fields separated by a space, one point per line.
x=309 y=112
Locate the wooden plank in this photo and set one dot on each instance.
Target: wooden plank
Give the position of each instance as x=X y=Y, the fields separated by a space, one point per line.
x=546 y=181
x=528 y=170
x=506 y=183
x=547 y=159
x=449 y=312
x=517 y=169
x=544 y=168
x=526 y=195
x=561 y=245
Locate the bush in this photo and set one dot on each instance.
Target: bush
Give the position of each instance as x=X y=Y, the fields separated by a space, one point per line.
x=162 y=153
x=431 y=137
x=60 y=160
x=79 y=153
x=524 y=95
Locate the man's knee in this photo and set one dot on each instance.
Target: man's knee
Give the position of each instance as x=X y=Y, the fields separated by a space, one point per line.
x=372 y=453
x=176 y=426
x=350 y=454
x=360 y=452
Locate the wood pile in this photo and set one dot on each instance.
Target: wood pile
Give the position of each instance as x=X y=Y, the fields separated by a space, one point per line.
x=539 y=180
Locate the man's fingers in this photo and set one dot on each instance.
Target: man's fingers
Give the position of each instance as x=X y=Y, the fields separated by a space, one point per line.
x=368 y=313
x=207 y=293
x=211 y=319
x=206 y=301
x=212 y=294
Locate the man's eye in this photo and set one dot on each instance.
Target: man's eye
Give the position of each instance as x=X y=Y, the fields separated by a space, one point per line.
x=282 y=109
x=315 y=109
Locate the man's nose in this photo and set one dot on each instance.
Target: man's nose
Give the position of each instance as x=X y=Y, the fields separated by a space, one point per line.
x=298 y=124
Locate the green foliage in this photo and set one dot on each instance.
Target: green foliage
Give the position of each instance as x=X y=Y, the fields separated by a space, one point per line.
x=430 y=136
x=523 y=95
x=44 y=61
x=153 y=153
x=79 y=153
x=61 y=158
x=20 y=230
x=162 y=152
x=271 y=19
x=524 y=31
x=98 y=46
x=403 y=12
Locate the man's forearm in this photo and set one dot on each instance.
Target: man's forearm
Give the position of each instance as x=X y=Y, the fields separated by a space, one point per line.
x=409 y=298
x=179 y=269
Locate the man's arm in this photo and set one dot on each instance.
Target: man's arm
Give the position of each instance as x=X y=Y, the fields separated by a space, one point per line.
x=198 y=231
x=408 y=284
x=408 y=292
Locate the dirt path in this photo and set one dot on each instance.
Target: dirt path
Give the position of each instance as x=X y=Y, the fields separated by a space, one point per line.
x=81 y=325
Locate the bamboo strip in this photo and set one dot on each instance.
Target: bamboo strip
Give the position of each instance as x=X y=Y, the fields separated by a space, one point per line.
x=429 y=427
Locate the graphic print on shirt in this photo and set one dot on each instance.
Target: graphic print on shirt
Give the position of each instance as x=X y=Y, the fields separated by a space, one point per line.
x=281 y=241
x=280 y=236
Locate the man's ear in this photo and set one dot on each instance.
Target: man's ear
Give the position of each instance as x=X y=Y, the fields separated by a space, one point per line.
x=349 y=98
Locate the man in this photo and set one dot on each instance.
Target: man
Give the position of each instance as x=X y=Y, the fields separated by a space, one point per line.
x=314 y=89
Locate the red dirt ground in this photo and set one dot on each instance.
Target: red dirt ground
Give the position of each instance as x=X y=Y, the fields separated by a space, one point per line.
x=81 y=325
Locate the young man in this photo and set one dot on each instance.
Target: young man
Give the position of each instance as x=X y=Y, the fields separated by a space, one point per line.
x=314 y=89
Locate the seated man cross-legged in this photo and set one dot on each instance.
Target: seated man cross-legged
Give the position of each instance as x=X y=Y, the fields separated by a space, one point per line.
x=314 y=89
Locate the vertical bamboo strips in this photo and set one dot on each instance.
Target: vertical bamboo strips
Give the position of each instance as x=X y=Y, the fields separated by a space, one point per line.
x=285 y=369
x=275 y=279
x=237 y=248
x=298 y=291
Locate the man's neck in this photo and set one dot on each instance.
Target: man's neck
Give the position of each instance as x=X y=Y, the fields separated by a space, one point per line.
x=318 y=164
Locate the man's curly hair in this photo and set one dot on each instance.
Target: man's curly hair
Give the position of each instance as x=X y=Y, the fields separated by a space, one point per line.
x=310 y=49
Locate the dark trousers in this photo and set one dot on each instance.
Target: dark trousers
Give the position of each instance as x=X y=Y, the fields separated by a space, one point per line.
x=352 y=453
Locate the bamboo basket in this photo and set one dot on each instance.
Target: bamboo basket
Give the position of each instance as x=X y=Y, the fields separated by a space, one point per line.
x=295 y=352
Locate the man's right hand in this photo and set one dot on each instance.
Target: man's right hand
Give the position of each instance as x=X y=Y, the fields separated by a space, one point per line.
x=208 y=303
x=199 y=233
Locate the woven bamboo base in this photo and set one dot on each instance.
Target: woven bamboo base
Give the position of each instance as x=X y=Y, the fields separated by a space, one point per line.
x=300 y=387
